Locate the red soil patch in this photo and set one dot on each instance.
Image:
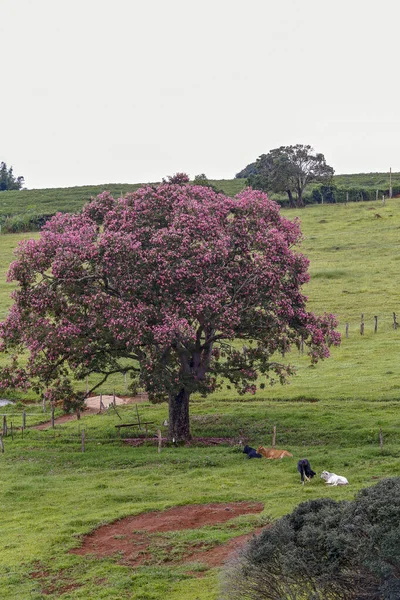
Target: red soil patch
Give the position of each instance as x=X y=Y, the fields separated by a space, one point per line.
x=218 y=555
x=131 y=537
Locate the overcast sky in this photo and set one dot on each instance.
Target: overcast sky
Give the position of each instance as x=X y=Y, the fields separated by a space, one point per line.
x=129 y=91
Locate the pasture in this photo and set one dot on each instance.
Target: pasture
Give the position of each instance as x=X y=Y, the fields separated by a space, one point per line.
x=51 y=200
x=23 y=207
x=52 y=493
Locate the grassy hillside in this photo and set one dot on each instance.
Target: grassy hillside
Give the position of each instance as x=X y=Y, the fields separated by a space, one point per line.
x=51 y=200
x=52 y=493
x=368 y=180
x=354 y=271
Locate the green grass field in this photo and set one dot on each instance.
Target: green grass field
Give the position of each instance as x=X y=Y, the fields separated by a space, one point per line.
x=51 y=200
x=52 y=493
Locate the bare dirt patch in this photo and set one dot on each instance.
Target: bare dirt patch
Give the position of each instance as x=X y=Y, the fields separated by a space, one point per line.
x=94 y=401
x=132 y=539
x=92 y=407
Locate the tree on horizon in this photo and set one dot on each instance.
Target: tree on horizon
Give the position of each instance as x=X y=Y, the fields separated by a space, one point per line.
x=289 y=169
x=8 y=181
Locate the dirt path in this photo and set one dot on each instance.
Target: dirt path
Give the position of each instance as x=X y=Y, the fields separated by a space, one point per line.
x=93 y=408
x=135 y=538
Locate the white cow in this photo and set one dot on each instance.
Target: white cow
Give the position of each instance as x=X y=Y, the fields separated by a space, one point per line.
x=333 y=479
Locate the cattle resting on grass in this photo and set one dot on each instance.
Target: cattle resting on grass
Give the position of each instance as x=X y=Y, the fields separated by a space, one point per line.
x=251 y=452
x=272 y=452
x=333 y=479
x=305 y=470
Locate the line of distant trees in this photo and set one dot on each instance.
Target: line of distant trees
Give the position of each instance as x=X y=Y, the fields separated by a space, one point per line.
x=8 y=181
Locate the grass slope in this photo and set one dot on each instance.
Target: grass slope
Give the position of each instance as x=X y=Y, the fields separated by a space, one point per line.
x=52 y=493
x=51 y=200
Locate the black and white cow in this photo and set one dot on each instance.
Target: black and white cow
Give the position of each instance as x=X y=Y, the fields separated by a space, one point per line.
x=305 y=470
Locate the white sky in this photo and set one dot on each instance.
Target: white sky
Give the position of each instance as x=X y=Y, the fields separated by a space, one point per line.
x=129 y=91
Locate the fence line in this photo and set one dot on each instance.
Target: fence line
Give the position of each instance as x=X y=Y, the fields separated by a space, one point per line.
x=375 y=319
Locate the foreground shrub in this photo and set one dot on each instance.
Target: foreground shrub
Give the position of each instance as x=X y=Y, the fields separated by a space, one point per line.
x=325 y=550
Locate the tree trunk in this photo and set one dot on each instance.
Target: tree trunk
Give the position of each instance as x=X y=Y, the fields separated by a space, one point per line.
x=179 y=425
x=300 y=199
x=290 y=196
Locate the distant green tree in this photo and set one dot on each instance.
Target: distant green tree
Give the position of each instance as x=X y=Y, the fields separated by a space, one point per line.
x=290 y=169
x=247 y=171
x=7 y=179
x=203 y=180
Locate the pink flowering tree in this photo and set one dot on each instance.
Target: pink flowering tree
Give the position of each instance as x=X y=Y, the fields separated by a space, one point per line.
x=178 y=285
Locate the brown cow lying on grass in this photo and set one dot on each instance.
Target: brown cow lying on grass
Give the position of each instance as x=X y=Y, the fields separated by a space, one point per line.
x=272 y=452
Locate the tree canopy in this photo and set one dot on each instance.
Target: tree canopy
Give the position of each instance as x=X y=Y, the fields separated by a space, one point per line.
x=247 y=171
x=8 y=181
x=162 y=283
x=289 y=169
x=202 y=179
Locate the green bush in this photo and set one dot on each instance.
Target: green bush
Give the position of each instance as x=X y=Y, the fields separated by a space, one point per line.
x=24 y=222
x=325 y=550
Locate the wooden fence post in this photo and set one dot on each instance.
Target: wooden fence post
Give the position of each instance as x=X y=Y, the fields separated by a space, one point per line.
x=362 y=325
x=347 y=330
x=23 y=420
x=138 y=418
x=159 y=440
x=83 y=440
x=1 y=443
x=376 y=324
x=240 y=435
x=274 y=437
x=52 y=416
x=394 y=321
x=4 y=425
